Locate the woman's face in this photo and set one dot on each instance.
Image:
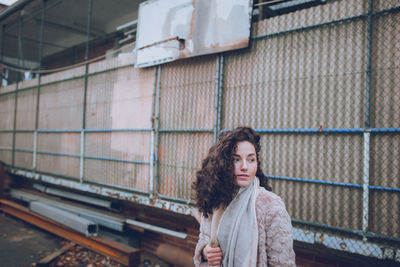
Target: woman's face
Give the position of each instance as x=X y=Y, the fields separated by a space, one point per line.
x=245 y=163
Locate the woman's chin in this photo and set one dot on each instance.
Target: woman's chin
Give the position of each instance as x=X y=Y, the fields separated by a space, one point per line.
x=244 y=182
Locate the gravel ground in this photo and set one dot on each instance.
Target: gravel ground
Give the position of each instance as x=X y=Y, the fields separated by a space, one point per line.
x=81 y=257
x=22 y=244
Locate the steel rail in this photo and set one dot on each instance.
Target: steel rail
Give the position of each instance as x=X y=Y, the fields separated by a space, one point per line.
x=119 y=252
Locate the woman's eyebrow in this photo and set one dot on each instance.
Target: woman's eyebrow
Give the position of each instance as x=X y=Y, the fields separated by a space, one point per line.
x=249 y=155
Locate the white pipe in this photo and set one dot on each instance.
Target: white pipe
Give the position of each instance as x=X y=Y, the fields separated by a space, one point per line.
x=34 y=149
x=151 y=163
x=156 y=229
x=81 y=167
x=366 y=181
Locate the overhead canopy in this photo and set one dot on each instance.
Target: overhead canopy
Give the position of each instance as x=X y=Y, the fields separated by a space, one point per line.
x=65 y=26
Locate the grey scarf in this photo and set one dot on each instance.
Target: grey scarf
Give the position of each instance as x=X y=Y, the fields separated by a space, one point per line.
x=237 y=230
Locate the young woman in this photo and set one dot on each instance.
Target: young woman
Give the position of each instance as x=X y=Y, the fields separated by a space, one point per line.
x=243 y=223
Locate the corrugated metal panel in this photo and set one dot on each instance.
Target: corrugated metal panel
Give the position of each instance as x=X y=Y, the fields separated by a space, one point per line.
x=23 y=159
x=384 y=4
x=7 y=105
x=63 y=143
x=8 y=88
x=66 y=166
x=386 y=71
x=299 y=80
x=6 y=147
x=24 y=141
x=120 y=98
x=187 y=103
x=26 y=109
x=68 y=143
x=128 y=146
x=332 y=10
x=320 y=157
x=61 y=105
x=180 y=155
x=385 y=159
x=321 y=203
x=188 y=86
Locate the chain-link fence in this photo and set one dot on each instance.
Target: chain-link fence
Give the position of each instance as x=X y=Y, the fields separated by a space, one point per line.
x=321 y=85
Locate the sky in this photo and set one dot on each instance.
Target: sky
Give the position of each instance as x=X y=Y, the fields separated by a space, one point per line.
x=7 y=2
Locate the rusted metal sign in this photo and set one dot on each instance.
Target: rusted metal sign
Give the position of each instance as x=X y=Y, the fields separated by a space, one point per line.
x=169 y=30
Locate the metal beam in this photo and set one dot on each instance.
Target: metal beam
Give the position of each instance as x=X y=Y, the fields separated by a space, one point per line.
x=36 y=41
x=82 y=225
x=81 y=30
x=78 y=197
x=156 y=229
x=114 y=222
x=119 y=252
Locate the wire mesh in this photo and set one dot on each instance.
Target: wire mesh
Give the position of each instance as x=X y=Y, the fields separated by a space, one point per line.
x=61 y=105
x=119 y=98
x=321 y=85
x=24 y=143
x=322 y=68
x=115 y=147
x=187 y=101
x=26 y=110
x=6 y=140
x=385 y=113
x=7 y=105
x=64 y=157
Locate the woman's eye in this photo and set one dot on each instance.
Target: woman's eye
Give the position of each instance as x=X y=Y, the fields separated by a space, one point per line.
x=252 y=160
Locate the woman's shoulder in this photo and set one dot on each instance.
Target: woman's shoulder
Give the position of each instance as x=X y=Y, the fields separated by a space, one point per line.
x=268 y=199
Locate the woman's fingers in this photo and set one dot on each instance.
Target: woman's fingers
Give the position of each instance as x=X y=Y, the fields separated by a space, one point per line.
x=214 y=255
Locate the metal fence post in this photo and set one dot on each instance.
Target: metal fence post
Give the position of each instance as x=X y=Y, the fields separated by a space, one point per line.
x=82 y=161
x=20 y=29
x=219 y=74
x=157 y=126
x=152 y=141
x=34 y=161
x=216 y=102
x=220 y=91
x=367 y=125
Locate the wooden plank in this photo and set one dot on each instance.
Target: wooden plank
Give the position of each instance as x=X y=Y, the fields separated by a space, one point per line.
x=49 y=258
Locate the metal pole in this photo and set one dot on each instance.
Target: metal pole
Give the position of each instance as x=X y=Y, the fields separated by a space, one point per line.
x=367 y=124
x=219 y=79
x=20 y=28
x=85 y=91
x=3 y=29
x=368 y=70
x=39 y=84
x=366 y=182
x=153 y=118
x=220 y=91
x=157 y=128
x=216 y=99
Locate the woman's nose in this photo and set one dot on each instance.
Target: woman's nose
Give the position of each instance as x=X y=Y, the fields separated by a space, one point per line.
x=243 y=165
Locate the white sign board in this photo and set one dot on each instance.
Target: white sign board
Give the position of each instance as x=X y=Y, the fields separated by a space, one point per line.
x=169 y=30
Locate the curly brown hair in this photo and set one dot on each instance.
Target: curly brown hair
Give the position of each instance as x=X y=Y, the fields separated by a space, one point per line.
x=215 y=181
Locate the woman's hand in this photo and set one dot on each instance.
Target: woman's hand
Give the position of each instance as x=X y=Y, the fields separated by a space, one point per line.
x=213 y=255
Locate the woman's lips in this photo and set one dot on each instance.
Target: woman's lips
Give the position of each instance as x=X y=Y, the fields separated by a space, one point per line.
x=243 y=176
